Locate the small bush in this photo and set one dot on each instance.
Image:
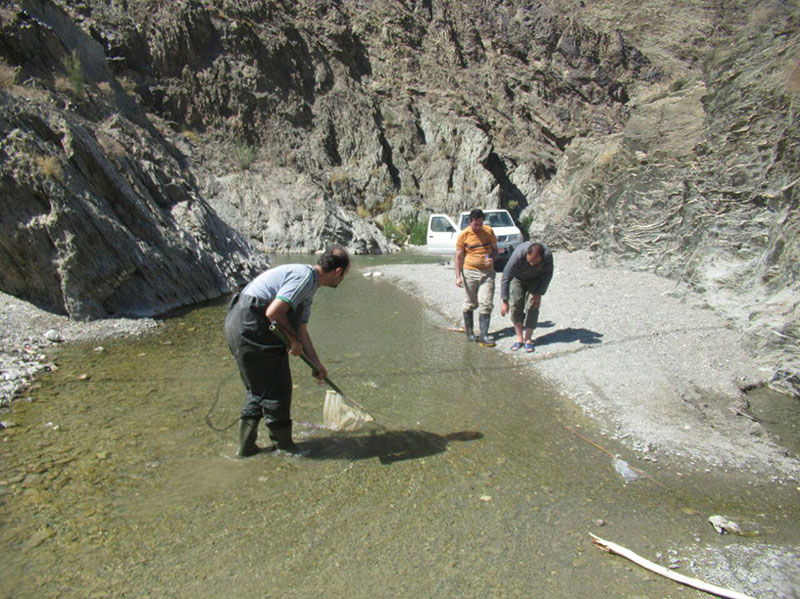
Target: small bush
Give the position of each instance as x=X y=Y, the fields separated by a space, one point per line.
x=362 y=211
x=417 y=230
x=244 y=154
x=74 y=69
x=526 y=223
x=408 y=230
x=51 y=167
x=192 y=136
x=679 y=84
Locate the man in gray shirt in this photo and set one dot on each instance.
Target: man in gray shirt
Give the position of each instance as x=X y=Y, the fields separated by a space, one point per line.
x=283 y=295
x=526 y=277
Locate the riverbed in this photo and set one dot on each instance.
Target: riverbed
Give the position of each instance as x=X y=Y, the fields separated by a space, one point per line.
x=480 y=479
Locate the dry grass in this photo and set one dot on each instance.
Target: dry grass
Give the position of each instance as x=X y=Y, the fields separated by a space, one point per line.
x=51 y=167
x=244 y=154
x=128 y=86
x=62 y=85
x=8 y=75
x=605 y=158
x=192 y=136
x=385 y=205
x=339 y=176
x=32 y=93
x=793 y=79
x=110 y=145
x=105 y=88
x=7 y=15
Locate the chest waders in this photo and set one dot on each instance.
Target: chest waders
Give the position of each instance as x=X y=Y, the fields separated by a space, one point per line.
x=263 y=364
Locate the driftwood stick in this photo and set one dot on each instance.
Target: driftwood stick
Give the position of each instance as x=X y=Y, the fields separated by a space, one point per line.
x=615 y=549
x=590 y=442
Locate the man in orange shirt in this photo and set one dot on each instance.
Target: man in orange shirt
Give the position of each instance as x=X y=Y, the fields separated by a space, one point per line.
x=476 y=249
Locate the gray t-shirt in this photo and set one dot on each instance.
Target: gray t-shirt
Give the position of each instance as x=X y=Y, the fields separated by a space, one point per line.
x=294 y=284
x=517 y=267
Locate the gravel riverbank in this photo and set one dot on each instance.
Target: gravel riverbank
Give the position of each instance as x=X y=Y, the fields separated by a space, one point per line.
x=659 y=371
x=27 y=333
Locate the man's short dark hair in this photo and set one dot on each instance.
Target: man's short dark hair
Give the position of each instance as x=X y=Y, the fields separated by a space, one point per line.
x=535 y=247
x=335 y=256
x=475 y=214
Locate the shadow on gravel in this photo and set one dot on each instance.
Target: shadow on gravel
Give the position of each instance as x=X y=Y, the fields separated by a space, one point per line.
x=569 y=335
x=509 y=331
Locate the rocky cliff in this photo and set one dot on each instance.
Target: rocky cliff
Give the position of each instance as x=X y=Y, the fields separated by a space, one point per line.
x=702 y=183
x=664 y=137
x=101 y=215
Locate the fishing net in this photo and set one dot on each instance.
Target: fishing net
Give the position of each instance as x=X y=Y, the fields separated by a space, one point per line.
x=340 y=415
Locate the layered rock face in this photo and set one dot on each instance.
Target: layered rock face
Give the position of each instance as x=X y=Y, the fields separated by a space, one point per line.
x=446 y=104
x=664 y=137
x=100 y=214
x=702 y=185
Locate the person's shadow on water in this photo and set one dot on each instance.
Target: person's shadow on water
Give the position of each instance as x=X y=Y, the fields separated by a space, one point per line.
x=387 y=446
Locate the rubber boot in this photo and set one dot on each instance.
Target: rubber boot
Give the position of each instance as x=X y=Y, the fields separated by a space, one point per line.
x=484 y=338
x=468 y=324
x=248 y=431
x=281 y=436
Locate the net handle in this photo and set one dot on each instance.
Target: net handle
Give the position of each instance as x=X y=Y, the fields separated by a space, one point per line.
x=275 y=327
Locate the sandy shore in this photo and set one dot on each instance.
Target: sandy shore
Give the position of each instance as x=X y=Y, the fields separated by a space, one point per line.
x=658 y=371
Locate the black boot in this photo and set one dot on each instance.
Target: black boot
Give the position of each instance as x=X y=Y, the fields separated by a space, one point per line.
x=248 y=431
x=484 y=338
x=468 y=324
x=281 y=435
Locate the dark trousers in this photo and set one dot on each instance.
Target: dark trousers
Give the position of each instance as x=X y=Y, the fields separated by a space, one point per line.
x=263 y=362
x=519 y=299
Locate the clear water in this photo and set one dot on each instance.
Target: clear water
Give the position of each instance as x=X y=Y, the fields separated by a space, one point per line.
x=115 y=484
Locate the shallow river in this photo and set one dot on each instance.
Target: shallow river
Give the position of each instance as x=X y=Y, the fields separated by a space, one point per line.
x=119 y=480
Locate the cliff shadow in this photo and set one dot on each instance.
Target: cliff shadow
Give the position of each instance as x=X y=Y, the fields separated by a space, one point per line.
x=387 y=446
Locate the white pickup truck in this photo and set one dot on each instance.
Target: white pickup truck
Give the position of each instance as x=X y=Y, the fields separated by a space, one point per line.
x=442 y=232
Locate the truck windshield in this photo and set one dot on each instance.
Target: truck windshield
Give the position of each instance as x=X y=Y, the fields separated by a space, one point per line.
x=499 y=218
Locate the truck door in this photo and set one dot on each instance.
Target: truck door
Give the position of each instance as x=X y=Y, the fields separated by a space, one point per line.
x=441 y=233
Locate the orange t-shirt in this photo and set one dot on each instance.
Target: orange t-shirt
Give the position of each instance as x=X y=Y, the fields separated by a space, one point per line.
x=476 y=246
